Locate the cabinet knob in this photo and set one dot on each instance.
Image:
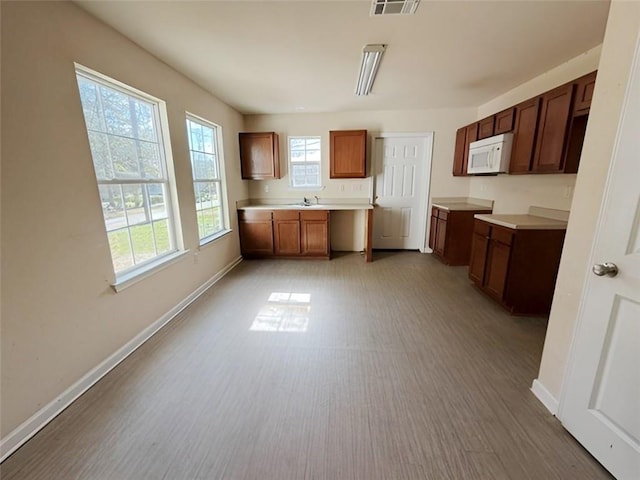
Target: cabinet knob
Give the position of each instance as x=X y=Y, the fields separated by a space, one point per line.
x=607 y=268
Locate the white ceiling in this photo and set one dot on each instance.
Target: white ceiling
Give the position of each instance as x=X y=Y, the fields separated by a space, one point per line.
x=289 y=56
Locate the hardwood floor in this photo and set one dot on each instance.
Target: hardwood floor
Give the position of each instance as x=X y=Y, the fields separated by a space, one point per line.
x=396 y=369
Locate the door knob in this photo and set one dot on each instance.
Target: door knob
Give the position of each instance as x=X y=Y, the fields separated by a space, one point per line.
x=602 y=269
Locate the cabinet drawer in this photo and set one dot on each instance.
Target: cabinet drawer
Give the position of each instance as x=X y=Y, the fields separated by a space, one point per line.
x=443 y=214
x=481 y=228
x=502 y=235
x=314 y=215
x=286 y=215
x=256 y=215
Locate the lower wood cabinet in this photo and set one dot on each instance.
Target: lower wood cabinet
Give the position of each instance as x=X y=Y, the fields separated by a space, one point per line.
x=256 y=232
x=518 y=268
x=450 y=235
x=285 y=233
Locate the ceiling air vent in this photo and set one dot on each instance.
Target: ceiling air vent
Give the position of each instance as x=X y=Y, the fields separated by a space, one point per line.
x=394 y=7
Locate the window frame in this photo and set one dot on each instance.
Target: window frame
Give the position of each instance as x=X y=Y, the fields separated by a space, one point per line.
x=221 y=180
x=137 y=271
x=317 y=187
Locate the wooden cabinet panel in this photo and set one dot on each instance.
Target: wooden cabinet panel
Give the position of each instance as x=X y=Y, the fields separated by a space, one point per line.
x=460 y=153
x=584 y=93
x=433 y=229
x=471 y=136
x=479 y=245
x=315 y=233
x=485 y=127
x=504 y=121
x=256 y=233
x=497 y=266
x=347 y=154
x=441 y=236
x=259 y=155
x=286 y=232
x=552 y=130
x=524 y=136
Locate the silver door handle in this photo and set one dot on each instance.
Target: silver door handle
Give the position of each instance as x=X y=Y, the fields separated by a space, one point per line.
x=602 y=269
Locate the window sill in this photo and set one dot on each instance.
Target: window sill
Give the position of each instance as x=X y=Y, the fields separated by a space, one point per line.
x=131 y=278
x=209 y=240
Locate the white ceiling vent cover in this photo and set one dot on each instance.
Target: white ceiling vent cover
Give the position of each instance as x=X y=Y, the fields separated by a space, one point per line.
x=394 y=7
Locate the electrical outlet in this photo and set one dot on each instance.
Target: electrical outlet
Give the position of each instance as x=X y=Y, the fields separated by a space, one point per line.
x=195 y=258
x=342 y=187
x=266 y=189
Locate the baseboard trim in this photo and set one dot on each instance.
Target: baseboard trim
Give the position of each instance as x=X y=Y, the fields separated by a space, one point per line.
x=42 y=417
x=545 y=397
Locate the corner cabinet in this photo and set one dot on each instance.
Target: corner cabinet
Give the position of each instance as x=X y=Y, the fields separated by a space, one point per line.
x=259 y=155
x=285 y=233
x=347 y=153
x=516 y=267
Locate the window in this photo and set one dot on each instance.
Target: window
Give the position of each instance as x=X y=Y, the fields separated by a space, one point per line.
x=304 y=162
x=207 y=177
x=128 y=152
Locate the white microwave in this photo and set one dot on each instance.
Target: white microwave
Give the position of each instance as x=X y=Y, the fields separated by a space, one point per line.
x=490 y=155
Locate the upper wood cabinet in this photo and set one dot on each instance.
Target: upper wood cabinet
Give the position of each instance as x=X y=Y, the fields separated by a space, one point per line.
x=464 y=137
x=553 y=125
x=504 y=121
x=347 y=154
x=259 y=155
x=524 y=136
x=548 y=130
x=485 y=127
x=460 y=153
x=584 y=93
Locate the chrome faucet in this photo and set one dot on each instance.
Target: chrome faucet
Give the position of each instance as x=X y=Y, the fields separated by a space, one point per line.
x=317 y=199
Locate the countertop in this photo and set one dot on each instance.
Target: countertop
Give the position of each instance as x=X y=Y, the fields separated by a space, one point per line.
x=460 y=206
x=298 y=206
x=523 y=221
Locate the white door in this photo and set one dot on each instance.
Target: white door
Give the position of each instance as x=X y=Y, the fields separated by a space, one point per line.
x=601 y=398
x=401 y=168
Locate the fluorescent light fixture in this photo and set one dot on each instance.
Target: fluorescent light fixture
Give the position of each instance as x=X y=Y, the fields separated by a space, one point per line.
x=371 y=56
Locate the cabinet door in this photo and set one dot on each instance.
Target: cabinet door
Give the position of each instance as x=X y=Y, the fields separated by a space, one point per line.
x=256 y=237
x=485 y=127
x=584 y=93
x=315 y=235
x=524 y=136
x=504 y=121
x=479 y=245
x=347 y=154
x=460 y=155
x=471 y=136
x=286 y=234
x=441 y=236
x=552 y=130
x=497 y=268
x=433 y=229
x=259 y=155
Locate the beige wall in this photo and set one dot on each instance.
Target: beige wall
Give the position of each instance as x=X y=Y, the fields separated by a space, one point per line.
x=347 y=227
x=623 y=28
x=515 y=193
x=60 y=317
